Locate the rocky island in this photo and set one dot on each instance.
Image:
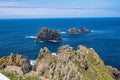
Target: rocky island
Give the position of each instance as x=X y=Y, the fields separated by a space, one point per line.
x=68 y=64
x=46 y=34
x=78 y=31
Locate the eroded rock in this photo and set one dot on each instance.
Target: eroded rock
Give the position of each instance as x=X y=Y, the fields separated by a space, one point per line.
x=78 y=31
x=69 y=64
x=114 y=72
x=16 y=60
x=46 y=34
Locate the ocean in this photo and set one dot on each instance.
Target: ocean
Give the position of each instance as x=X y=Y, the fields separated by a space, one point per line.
x=16 y=36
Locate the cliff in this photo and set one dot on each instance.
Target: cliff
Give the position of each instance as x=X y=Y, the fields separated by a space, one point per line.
x=68 y=64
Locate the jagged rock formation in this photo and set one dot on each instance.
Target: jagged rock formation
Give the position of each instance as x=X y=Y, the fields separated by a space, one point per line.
x=46 y=34
x=114 y=72
x=68 y=64
x=15 y=60
x=85 y=30
x=74 y=31
x=78 y=31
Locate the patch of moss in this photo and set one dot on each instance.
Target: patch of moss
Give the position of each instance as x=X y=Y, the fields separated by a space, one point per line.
x=13 y=76
x=46 y=74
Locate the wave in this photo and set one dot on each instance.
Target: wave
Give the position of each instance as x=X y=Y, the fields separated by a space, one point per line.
x=47 y=41
x=38 y=41
x=100 y=31
x=53 y=53
x=62 y=32
x=32 y=62
x=33 y=37
x=54 y=41
x=92 y=31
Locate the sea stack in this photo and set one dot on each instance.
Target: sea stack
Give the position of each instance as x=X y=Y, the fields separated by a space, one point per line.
x=85 y=30
x=46 y=34
x=74 y=31
x=78 y=31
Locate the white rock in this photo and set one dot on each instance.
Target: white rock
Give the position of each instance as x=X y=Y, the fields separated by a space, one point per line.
x=2 y=77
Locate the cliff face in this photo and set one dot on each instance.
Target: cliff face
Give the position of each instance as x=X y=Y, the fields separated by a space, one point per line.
x=114 y=72
x=68 y=64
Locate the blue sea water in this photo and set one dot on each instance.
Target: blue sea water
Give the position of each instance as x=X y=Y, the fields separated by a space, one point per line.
x=104 y=38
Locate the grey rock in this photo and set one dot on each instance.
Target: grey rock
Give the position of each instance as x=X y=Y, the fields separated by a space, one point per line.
x=46 y=34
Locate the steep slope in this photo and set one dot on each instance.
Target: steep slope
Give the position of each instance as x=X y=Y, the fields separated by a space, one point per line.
x=68 y=64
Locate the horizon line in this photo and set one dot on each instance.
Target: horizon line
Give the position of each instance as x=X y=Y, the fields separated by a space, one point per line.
x=62 y=17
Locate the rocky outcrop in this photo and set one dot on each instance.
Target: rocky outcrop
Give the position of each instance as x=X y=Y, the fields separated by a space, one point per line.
x=42 y=54
x=78 y=31
x=74 y=31
x=64 y=48
x=46 y=34
x=15 y=60
x=85 y=30
x=68 y=64
x=14 y=69
x=114 y=72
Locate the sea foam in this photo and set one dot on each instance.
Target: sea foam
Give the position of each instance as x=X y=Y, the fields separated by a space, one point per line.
x=62 y=32
x=33 y=37
x=32 y=62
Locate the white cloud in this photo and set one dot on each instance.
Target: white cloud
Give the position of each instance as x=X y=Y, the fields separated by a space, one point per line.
x=27 y=12
x=8 y=4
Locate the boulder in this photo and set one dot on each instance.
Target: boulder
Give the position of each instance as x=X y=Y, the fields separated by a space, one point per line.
x=114 y=72
x=46 y=34
x=16 y=60
x=14 y=69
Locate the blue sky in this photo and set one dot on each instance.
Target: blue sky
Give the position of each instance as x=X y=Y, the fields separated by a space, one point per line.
x=59 y=8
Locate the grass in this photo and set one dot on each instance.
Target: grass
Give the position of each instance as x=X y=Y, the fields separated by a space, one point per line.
x=13 y=76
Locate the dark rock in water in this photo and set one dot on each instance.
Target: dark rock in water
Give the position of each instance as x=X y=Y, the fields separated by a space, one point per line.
x=46 y=34
x=78 y=31
x=16 y=60
x=74 y=31
x=114 y=72
x=85 y=30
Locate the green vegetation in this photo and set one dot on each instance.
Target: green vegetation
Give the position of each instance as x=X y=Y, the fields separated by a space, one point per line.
x=13 y=76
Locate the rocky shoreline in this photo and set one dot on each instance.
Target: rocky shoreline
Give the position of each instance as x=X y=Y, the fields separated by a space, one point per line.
x=68 y=64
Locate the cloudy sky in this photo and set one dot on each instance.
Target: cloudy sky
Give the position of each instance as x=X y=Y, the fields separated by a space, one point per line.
x=59 y=8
